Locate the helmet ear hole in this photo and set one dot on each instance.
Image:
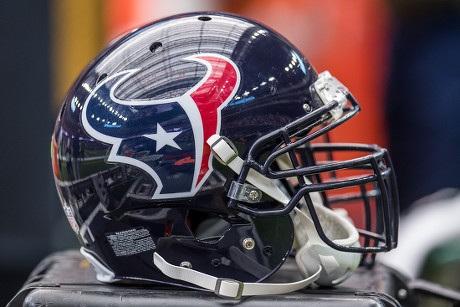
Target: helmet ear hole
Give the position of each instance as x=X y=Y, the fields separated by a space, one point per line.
x=205 y=226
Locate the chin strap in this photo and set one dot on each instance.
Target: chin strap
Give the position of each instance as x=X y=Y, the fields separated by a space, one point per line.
x=312 y=251
x=318 y=262
x=230 y=288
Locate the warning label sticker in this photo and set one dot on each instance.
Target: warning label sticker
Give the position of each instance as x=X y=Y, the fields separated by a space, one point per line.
x=130 y=242
x=71 y=218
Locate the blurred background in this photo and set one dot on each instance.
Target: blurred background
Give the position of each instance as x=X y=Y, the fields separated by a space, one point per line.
x=400 y=58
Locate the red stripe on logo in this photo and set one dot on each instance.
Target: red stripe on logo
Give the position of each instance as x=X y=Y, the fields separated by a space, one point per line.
x=209 y=97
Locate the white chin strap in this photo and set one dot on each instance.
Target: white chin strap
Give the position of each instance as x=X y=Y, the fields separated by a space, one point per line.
x=318 y=262
x=231 y=288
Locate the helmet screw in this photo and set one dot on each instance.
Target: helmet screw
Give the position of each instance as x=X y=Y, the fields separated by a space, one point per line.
x=402 y=293
x=186 y=264
x=215 y=262
x=253 y=195
x=268 y=250
x=306 y=107
x=248 y=243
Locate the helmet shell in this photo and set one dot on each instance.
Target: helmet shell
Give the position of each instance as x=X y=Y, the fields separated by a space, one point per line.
x=130 y=159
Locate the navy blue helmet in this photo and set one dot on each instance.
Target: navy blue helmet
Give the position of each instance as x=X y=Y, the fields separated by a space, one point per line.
x=193 y=151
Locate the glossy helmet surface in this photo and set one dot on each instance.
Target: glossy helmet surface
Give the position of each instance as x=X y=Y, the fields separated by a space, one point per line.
x=195 y=141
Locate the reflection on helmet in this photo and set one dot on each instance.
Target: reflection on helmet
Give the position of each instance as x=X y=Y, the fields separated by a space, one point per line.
x=205 y=163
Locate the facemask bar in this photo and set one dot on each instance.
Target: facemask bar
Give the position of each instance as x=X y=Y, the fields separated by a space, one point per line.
x=381 y=191
x=338 y=101
x=373 y=188
x=370 y=190
x=297 y=137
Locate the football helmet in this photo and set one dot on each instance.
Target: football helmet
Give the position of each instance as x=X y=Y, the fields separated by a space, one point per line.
x=193 y=151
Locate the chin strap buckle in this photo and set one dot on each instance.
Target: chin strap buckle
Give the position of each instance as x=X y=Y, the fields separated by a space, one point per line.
x=229 y=288
x=224 y=286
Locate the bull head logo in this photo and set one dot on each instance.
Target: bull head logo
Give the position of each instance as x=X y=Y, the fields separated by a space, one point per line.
x=164 y=137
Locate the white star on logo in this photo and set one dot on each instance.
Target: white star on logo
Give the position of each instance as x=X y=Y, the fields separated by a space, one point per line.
x=163 y=138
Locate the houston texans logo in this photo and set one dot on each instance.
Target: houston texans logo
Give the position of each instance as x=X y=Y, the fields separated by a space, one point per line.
x=164 y=137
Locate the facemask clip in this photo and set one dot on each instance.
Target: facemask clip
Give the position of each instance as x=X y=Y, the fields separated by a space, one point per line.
x=330 y=89
x=244 y=192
